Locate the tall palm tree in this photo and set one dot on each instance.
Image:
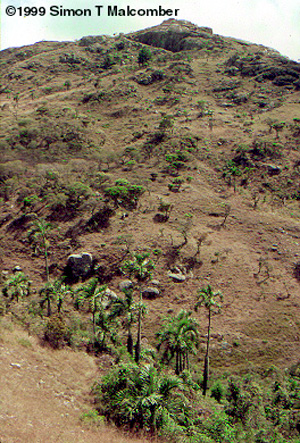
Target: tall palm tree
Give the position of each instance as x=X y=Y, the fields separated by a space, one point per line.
x=140 y=267
x=212 y=303
x=180 y=337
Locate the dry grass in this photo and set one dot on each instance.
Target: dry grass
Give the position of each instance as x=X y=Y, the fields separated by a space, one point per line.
x=44 y=393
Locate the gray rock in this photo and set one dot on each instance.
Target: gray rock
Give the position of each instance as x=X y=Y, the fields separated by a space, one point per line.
x=150 y=292
x=125 y=284
x=177 y=277
x=80 y=264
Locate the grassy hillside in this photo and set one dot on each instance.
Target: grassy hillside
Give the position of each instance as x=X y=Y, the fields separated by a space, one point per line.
x=115 y=146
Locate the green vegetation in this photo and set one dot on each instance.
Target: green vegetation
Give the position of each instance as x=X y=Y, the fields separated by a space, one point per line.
x=148 y=398
x=124 y=194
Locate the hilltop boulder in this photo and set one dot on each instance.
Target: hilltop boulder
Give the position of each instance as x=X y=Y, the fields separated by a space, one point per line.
x=175 y=35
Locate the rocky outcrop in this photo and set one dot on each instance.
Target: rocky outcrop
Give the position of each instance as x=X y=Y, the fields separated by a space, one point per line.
x=176 y=35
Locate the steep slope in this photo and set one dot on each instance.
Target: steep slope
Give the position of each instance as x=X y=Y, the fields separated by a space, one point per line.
x=210 y=126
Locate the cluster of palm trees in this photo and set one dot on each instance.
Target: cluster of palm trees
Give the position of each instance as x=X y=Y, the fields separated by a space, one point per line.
x=177 y=339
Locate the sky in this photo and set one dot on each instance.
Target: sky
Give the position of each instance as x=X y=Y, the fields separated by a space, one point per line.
x=272 y=23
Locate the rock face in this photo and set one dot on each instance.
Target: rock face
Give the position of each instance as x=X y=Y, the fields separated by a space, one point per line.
x=175 y=35
x=80 y=265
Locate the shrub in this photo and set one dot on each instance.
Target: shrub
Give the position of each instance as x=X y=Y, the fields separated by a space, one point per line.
x=177 y=160
x=217 y=391
x=166 y=123
x=124 y=194
x=57 y=333
x=144 y=56
x=176 y=184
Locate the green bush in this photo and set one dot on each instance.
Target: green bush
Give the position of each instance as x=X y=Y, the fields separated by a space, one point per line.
x=16 y=287
x=218 y=391
x=144 y=56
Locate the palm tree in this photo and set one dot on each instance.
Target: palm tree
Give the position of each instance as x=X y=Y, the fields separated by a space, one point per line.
x=54 y=291
x=126 y=308
x=93 y=293
x=104 y=327
x=179 y=337
x=212 y=302
x=140 y=267
x=38 y=236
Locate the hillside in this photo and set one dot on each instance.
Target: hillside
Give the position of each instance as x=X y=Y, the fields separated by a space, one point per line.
x=189 y=153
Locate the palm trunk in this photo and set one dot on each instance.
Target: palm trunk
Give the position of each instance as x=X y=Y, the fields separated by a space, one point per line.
x=49 y=306
x=129 y=342
x=206 y=361
x=177 y=372
x=139 y=333
x=94 y=325
x=46 y=263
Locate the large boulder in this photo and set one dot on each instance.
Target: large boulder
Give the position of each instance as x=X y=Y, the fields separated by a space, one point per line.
x=80 y=265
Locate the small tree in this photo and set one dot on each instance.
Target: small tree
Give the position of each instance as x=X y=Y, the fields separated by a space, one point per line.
x=165 y=208
x=278 y=127
x=227 y=210
x=124 y=194
x=200 y=240
x=67 y=84
x=212 y=303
